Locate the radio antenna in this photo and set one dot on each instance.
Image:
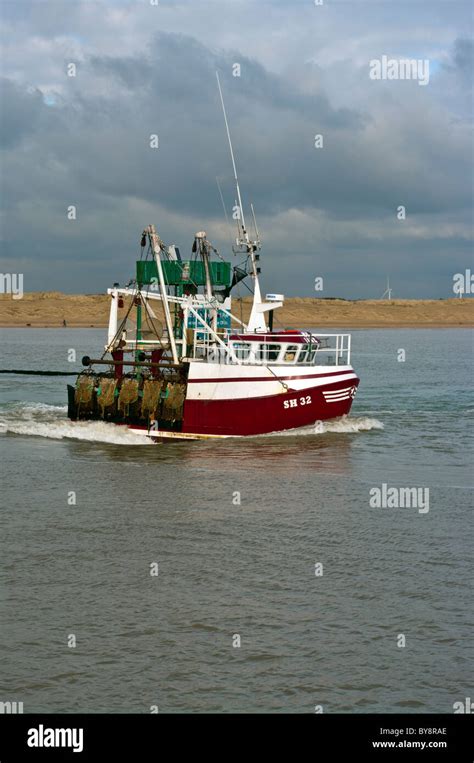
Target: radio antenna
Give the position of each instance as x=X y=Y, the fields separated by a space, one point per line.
x=257 y=236
x=244 y=229
x=225 y=210
x=256 y=320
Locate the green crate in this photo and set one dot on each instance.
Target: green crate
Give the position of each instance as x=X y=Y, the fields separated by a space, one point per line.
x=181 y=273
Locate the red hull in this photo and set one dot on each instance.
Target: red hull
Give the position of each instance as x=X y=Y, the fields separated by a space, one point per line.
x=260 y=415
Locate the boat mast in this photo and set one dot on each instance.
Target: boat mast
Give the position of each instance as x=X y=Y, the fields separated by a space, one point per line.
x=155 y=245
x=250 y=247
x=203 y=246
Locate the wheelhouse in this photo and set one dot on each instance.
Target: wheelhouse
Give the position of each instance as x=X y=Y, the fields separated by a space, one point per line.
x=280 y=349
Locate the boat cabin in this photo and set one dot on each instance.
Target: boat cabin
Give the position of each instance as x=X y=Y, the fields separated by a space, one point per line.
x=287 y=348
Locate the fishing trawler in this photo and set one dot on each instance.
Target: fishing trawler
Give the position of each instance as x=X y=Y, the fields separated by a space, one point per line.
x=179 y=364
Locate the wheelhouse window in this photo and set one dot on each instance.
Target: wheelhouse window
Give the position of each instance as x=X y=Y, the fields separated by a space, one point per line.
x=303 y=356
x=311 y=350
x=307 y=353
x=273 y=351
x=268 y=352
x=290 y=353
x=241 y=350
